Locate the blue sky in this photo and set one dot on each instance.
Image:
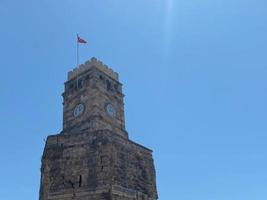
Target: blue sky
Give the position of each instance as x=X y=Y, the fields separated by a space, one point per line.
x=194 y=75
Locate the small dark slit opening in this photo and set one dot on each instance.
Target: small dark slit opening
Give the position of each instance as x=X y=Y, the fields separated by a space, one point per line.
x=80 y=181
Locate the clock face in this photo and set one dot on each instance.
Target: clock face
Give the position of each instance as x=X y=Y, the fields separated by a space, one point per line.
x=78 y=110
x=110 y=110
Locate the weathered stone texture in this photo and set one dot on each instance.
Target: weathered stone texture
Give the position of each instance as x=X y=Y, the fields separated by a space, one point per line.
x=93 y=158
x=95 y=161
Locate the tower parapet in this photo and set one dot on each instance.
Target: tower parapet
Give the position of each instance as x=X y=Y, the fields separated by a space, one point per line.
x=92 y=63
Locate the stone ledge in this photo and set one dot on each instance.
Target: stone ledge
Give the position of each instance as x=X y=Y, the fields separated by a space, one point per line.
x=78 y=193
x=73 y=138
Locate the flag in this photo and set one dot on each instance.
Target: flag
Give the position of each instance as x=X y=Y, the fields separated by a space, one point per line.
x=80 y=40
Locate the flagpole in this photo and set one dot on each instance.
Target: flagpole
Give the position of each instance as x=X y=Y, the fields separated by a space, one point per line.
x=77 y=58
x=77 y=51
x=79 y=40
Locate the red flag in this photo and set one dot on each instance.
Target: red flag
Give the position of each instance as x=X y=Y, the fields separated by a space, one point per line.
x=80 y=40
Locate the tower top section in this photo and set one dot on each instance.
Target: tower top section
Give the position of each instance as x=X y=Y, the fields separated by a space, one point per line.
x=93 y=63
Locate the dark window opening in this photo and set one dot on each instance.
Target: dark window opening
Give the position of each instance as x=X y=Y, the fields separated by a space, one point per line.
x=87 y=77
x=71 y=86
x=116 y=87
x=80 y=181
x=109 y=86
x=80 y=84
x=101 y=77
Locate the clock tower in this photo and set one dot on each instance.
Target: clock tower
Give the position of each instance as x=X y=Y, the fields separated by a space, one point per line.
x=93 y=100
x=93 y=158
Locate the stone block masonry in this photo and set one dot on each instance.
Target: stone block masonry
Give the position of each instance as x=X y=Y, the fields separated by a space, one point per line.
x=93 y=158
x=96 y=165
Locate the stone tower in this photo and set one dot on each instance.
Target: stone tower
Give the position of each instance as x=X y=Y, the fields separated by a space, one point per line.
x=93 y=158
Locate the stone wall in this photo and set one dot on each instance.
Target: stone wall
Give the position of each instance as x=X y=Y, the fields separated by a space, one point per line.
x=96 y=165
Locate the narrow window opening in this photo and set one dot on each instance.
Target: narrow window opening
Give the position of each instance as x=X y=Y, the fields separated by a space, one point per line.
x=63 y=180
x=108 y=85
x=116 y=87
x=80 y=84
x=80 y=181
